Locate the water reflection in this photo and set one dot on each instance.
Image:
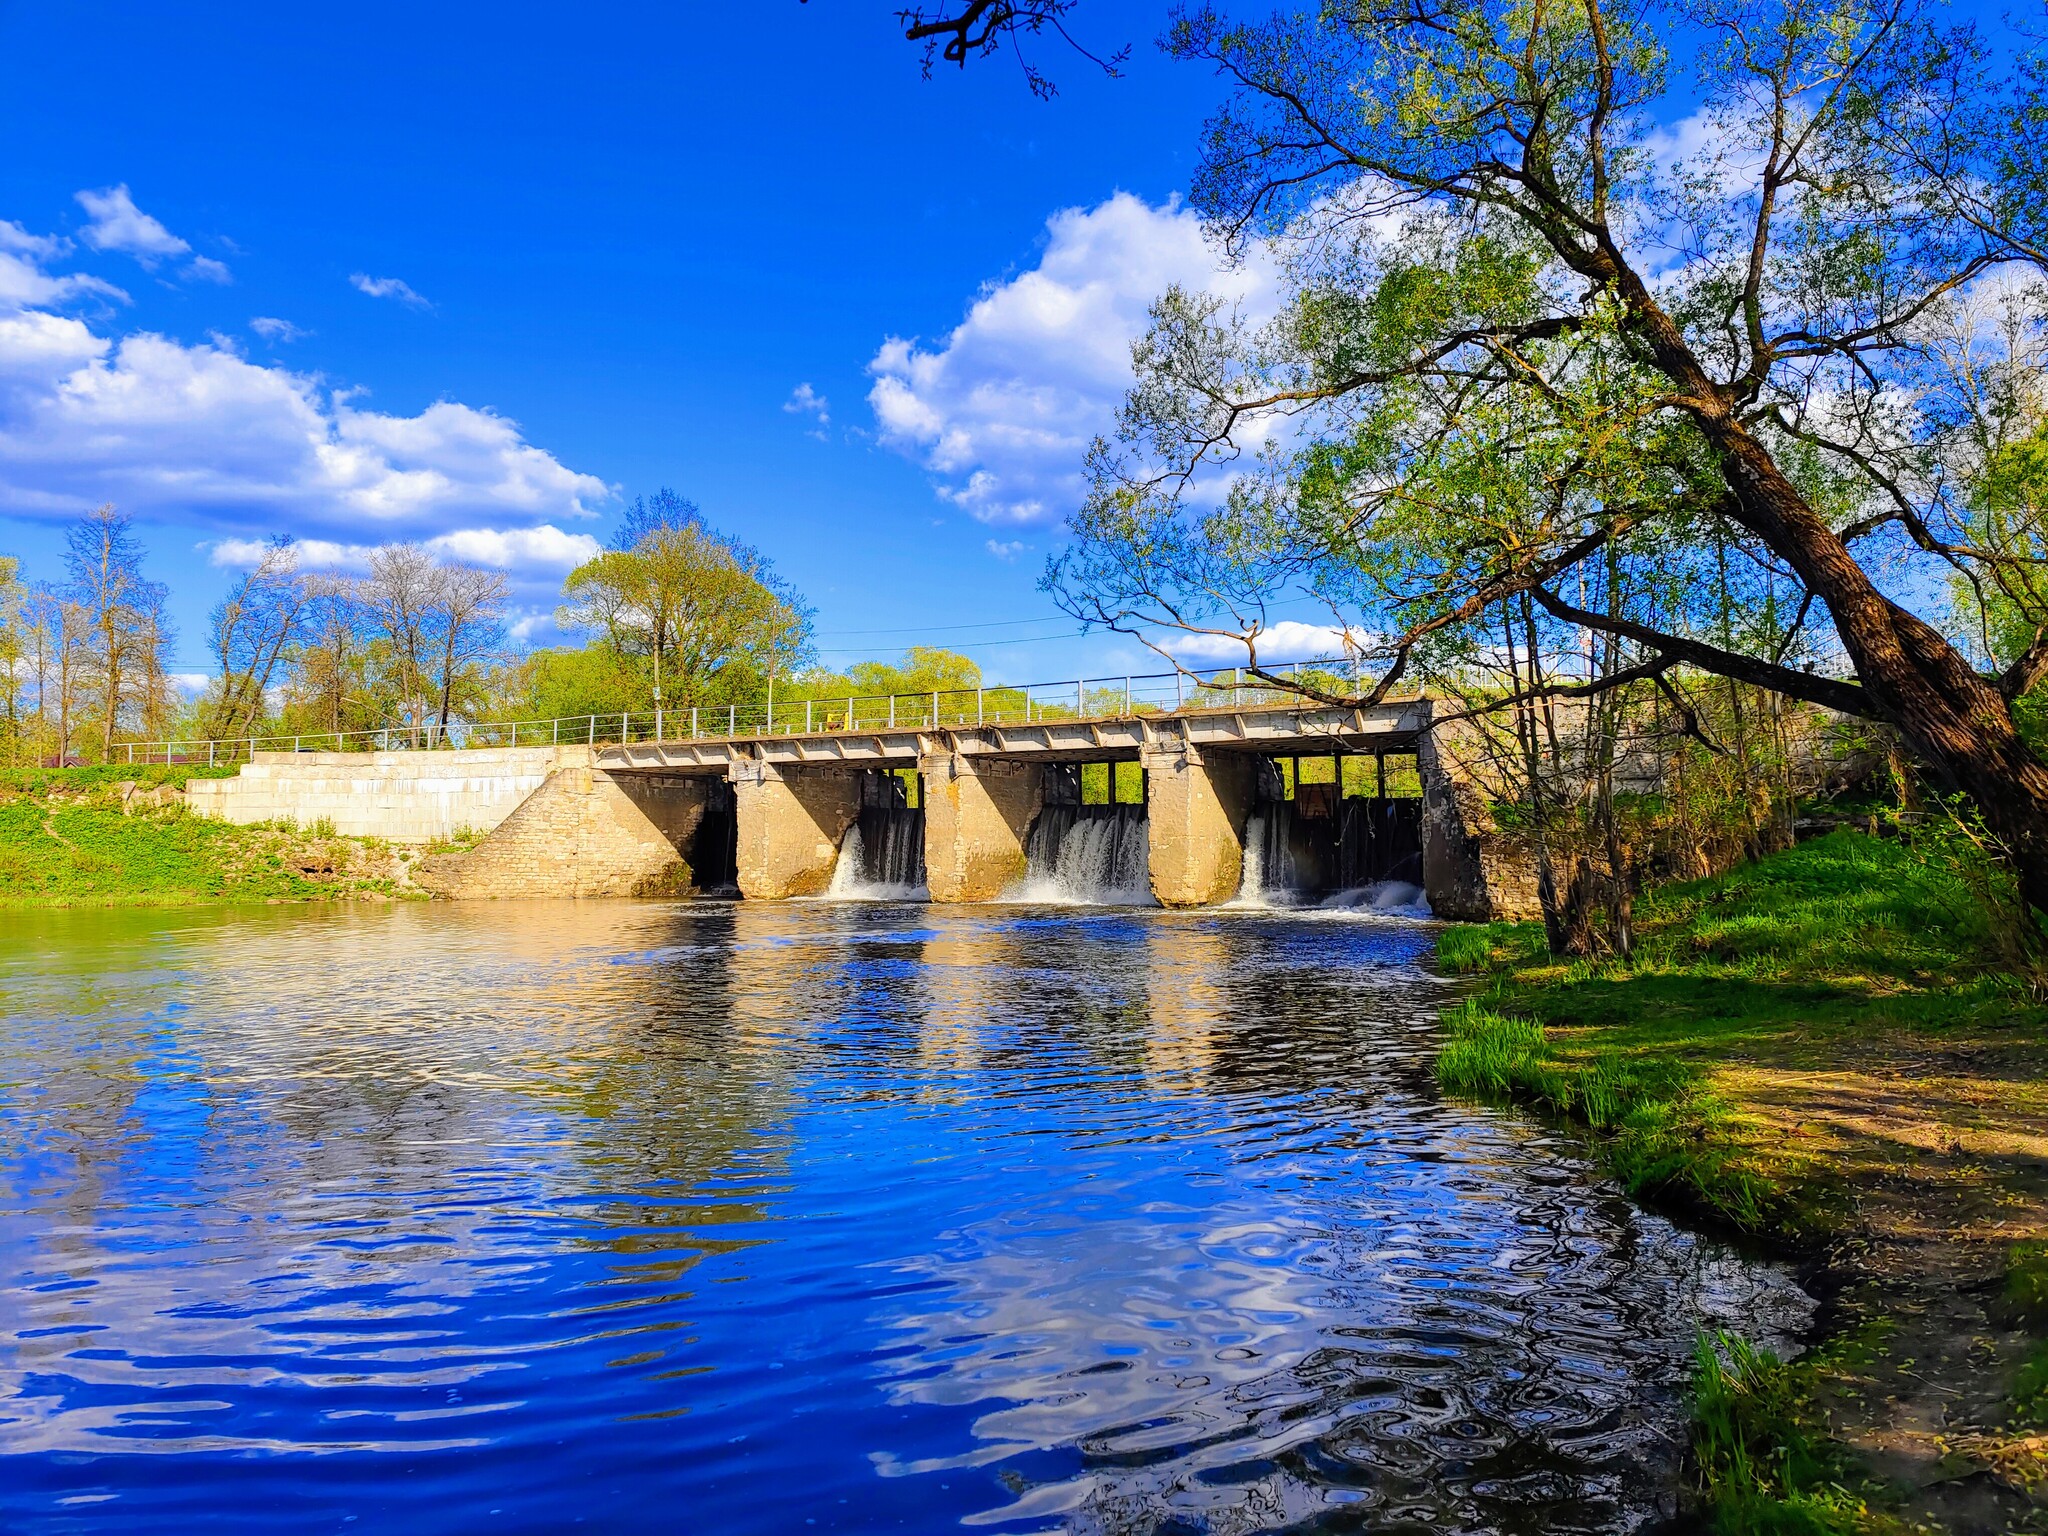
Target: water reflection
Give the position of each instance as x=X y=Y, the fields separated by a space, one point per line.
x=861 y=1215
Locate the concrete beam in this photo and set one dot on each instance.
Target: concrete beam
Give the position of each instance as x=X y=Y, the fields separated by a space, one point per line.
x=1199 y=802
x=791 y=821
x=1390 y=727
x=977 y=814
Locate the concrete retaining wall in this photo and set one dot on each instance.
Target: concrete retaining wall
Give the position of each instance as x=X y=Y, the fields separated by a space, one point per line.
x=403 y=797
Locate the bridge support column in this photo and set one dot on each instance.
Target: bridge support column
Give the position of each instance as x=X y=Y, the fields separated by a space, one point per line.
x=977 y=814
x=1199 y=803
x=791 y=821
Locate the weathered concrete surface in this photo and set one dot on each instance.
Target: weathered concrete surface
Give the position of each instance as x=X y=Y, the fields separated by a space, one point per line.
x=1199 y=802
x=403 y=797
x=582 y=833
x=977 y=814
x=791 y=821
x=1471 y=870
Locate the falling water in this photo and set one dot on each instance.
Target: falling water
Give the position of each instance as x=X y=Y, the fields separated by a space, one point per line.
x=881 y=857
x=1096 y=854
x=1269 y=875
x=1273 y=876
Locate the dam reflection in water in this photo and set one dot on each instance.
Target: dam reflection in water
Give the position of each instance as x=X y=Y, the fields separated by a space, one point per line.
x=764 y=1218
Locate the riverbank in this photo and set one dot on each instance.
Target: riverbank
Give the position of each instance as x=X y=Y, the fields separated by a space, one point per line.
x=1823 y=1052
x=122 y=836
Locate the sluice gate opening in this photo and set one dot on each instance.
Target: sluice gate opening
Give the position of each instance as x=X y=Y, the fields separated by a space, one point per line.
x=1333 y=824
x=713 y=853
x=884 y=848
x=1090 y=840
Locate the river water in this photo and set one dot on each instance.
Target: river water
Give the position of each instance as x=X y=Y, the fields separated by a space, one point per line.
x=743 y=1218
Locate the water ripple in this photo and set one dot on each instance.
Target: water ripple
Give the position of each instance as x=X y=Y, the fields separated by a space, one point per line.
x=836 y=1216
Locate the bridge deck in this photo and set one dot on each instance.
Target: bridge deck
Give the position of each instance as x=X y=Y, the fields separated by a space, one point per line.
x=1393 y=726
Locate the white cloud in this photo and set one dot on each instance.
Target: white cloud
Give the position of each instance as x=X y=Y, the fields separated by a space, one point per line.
x=190 y=682
x=272 y=329
x=1006 y=549
x=37 y=248
x=1288 y=640
x=545 y=548
x=1004 y=410
x=517 y=548
x=166 y=429
x=389 y=288
x=118 y=225
x=806 y=401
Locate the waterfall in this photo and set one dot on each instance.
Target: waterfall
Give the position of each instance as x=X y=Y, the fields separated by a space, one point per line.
x=1270 y=878
x=881 y=858
x=1090 y=854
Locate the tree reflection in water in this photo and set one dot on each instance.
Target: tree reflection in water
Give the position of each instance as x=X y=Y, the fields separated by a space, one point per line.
x=863 y=1214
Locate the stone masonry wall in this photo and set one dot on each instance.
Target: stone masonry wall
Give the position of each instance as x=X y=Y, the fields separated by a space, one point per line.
x=1471 y=872
x=584 y=832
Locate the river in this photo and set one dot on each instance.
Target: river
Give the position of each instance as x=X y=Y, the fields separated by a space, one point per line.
x=854 y=1216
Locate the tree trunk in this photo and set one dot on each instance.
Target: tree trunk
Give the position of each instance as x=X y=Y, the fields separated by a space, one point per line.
x=1954 y=720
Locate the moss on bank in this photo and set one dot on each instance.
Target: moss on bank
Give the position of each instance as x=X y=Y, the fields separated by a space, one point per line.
x=120 y=836
x=1821 y=1050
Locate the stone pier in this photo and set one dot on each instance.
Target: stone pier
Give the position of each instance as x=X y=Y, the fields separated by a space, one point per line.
x=977 y=815
x=1199 y=801
x=791 y=823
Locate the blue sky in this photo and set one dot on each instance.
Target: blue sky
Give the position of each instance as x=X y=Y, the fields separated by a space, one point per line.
x=637 y=233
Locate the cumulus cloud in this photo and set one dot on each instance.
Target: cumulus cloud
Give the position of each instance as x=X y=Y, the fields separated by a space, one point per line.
x=389 y=288
x=116 y=224
x=272 y=329
x=196 y=432
x=1003 y=410
x=544 y=548
x=807 y=402
x=1008 y=549
x=1288 y=640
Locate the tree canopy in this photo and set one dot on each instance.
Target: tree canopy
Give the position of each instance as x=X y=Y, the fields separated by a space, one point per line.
x=1577 y=338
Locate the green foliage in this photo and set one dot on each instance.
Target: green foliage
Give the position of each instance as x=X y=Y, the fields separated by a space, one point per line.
x=1658 y=1124
x=2030 y=1389
x=65 y=840
x=2026 y=1282
x=98 y=776
x=1822 y=942
x=1762 y=1458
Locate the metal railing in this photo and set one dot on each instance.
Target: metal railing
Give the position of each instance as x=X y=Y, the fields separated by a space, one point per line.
x=1114 y=697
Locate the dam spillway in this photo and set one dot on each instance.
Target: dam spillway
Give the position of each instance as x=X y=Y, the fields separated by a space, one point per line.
x=976 y=814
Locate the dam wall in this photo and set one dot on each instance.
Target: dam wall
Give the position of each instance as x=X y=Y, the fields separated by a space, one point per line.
x=768 y=817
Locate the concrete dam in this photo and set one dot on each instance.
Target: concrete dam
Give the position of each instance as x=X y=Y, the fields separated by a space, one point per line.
x=1187 y=809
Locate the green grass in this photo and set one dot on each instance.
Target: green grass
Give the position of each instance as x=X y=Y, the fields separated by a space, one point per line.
x=1789 y=961
x=1763 y=1462
x=76 y=847
x=1822 y=960
x=80 y=781
x=2026 y=1282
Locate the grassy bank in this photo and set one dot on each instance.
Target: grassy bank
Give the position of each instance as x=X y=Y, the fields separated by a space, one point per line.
x=121 y=836
x=1822 y=1051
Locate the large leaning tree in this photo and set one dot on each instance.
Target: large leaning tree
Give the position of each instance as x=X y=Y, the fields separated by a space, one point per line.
x=1683 y=334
